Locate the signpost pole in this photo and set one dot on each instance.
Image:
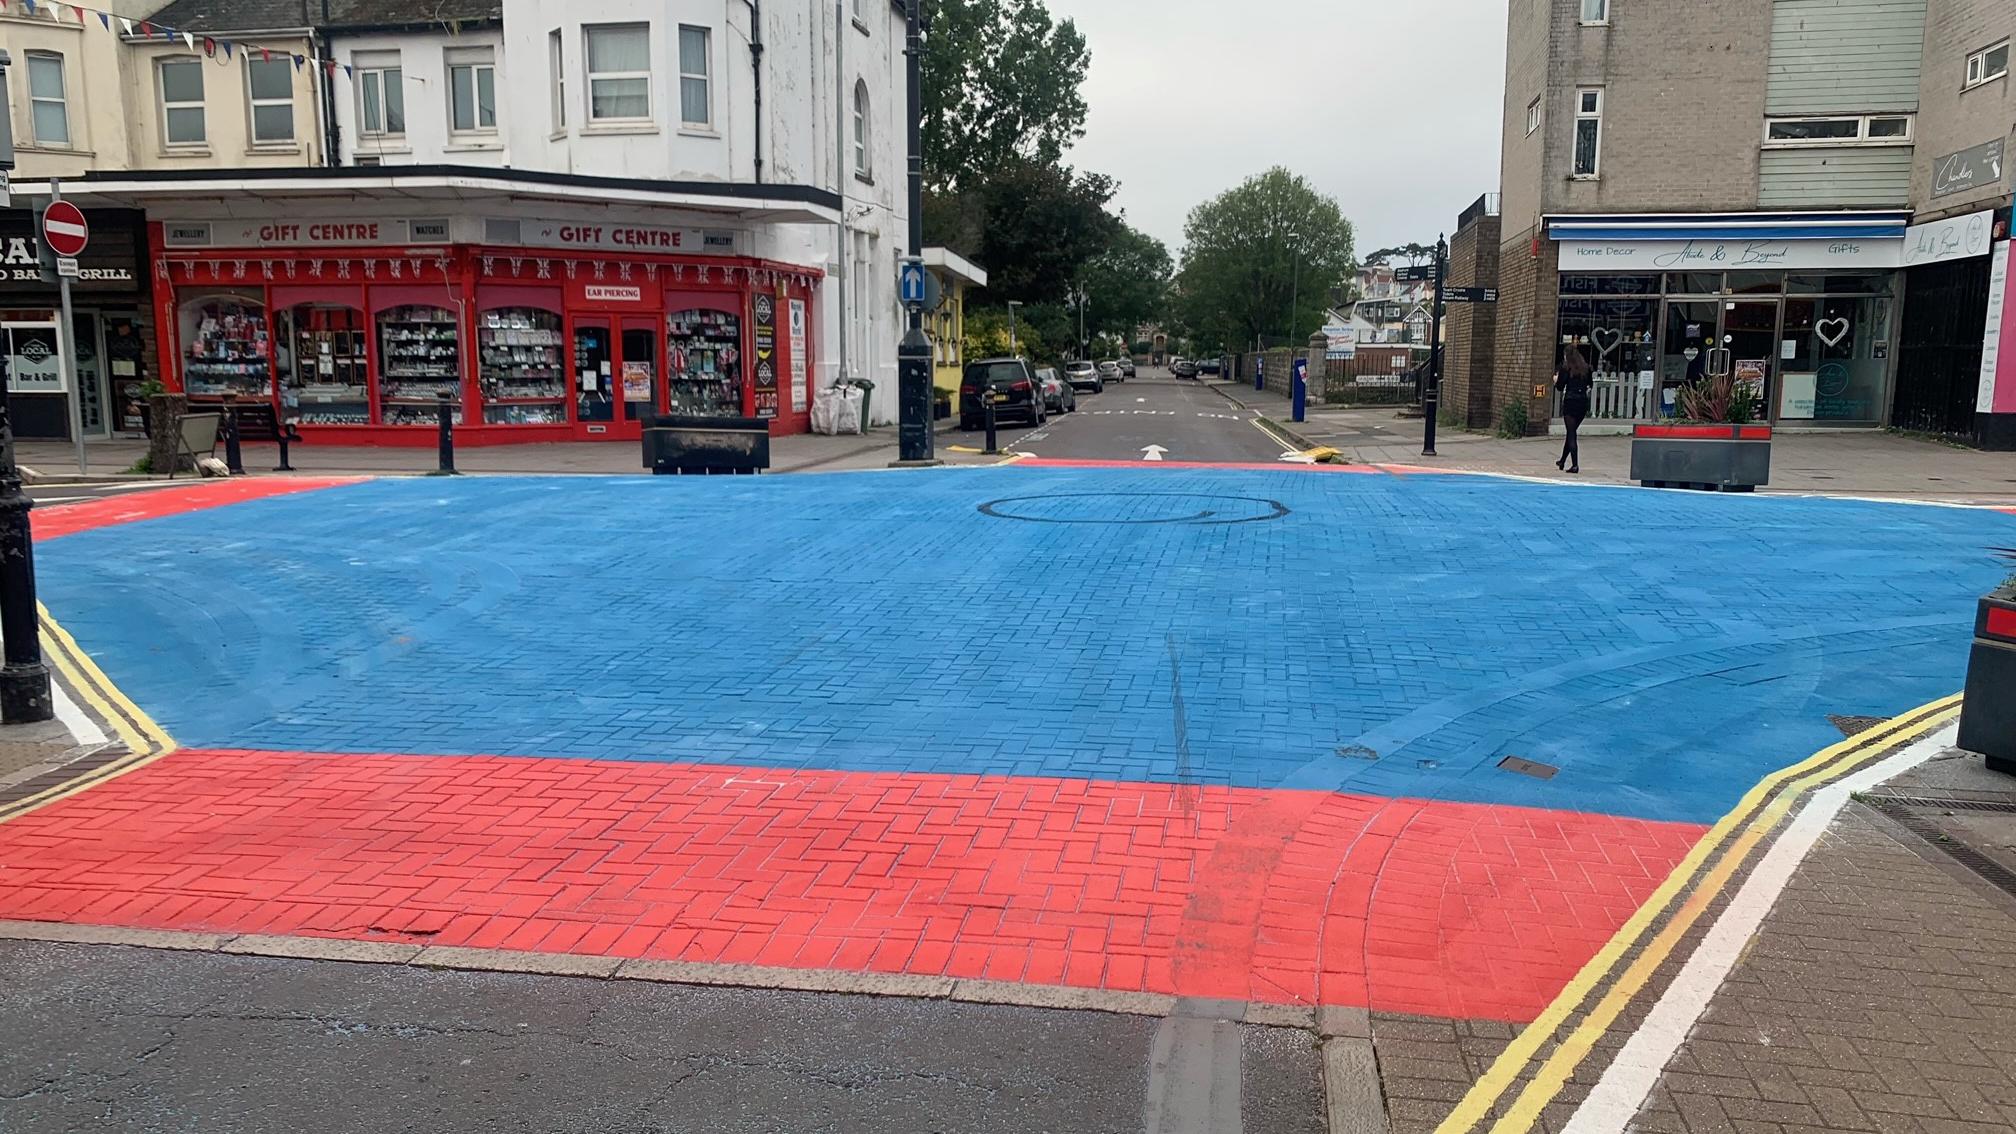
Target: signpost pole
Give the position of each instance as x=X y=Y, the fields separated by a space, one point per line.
x=1431 y=389
x=66 y=334
x=25 y=696
x=916 y=441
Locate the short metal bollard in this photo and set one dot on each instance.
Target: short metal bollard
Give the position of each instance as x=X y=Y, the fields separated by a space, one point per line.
x=234 y=455
x=288 y=435
x=987 y=402
x=1988 y=714
x=445 y=411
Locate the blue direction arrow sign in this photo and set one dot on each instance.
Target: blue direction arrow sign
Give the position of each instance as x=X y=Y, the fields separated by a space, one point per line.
x=910 y=281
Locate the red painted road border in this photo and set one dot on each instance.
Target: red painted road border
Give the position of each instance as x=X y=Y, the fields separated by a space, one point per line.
x=1283 y=897
x=156 y=503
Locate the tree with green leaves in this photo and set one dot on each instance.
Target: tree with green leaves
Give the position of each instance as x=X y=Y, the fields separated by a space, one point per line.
x=1243 y=271
x=1410 y=252
x=1001 y=81
x=1032 y=225
x=1127 y=284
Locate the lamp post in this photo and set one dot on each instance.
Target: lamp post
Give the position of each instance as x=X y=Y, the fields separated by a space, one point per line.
x=24 y=679
x=1012 y=347
x=913 y=356
x=1078 y=300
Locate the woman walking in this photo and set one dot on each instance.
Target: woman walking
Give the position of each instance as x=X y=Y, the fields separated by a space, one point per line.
x=1573 y=382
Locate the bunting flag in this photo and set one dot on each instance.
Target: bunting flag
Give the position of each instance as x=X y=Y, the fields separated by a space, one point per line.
x=266 y=55
x=189 y=40
x=227 y=48
x=31 y=6
x=209 y=47
x=125 y=26
x=106 y=19
x=298 y=61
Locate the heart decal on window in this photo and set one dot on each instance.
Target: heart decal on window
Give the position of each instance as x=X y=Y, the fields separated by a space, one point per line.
x=1832 y=331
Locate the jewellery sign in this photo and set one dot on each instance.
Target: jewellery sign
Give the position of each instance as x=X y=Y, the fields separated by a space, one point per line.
x=1956 y=238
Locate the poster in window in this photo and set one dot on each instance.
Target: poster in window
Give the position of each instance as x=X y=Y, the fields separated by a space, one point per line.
x=33 y=365
x=799 y=390
x=1750 y=373
x=636 y=381
x=766 y=356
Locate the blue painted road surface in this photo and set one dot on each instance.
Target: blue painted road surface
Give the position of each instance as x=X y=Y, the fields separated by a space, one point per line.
x=1395 y=635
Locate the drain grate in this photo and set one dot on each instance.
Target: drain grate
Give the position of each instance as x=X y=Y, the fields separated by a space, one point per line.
x=1527 y=767
x=1940 y=803
x=1854 y=726
x=1907 y=815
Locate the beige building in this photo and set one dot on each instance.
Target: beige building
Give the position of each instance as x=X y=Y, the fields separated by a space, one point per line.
x=1762 y=184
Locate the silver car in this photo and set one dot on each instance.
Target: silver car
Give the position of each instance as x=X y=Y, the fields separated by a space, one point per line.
x=1058 y=396
x=1084 y=376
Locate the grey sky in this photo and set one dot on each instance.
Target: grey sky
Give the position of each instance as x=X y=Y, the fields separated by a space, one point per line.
x=1390 y=107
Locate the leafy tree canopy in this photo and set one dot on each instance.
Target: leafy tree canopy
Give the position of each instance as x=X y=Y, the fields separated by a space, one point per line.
x=1241 y=265
x=1412 y=253
x=1001 y=81
x=1127 y=285
x=1032 y=225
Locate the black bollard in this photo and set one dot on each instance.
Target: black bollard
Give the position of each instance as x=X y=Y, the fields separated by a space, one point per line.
x=287 y=434
x=446 y=410
x=988 y=399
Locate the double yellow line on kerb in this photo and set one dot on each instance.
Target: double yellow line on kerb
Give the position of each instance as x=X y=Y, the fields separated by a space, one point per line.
x=1754 y=816
x=145 y=740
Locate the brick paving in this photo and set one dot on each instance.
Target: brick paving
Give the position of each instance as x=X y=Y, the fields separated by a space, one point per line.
x=1846 y=462
x=1880 y=995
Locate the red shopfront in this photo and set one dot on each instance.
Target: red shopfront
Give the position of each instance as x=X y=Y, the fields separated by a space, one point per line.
x=531 y=344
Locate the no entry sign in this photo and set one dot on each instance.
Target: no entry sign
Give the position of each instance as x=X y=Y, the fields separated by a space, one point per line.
x=64 y=228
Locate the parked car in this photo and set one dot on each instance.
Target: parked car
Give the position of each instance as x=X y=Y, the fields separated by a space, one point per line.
x=1084 y=376
x=1209 y=366
x=1126 y=367
x=1110 y=371
x=1183 y=368
x=1013 y=380
x=1058 y=396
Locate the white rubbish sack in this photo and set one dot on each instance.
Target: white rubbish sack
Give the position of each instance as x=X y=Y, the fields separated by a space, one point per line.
x=837 y=410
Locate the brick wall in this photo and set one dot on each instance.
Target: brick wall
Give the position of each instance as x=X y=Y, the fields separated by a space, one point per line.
x=1528 y=290
x=1471 y=328
x=1950 y=119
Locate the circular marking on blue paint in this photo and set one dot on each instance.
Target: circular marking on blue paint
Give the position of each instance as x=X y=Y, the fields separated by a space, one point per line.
x=1135 y=508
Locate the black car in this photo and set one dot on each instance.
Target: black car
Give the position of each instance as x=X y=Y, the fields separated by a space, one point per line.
x=1183 y=368
x=1208 y=366
x=1018 y=395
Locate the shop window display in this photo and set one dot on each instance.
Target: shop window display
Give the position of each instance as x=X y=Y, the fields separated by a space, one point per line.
x=1837 y=364
x=419 y=355
x=1611 y=320
x=521 y=373
x=227 y=346
x=324 y=377
x=705 y=351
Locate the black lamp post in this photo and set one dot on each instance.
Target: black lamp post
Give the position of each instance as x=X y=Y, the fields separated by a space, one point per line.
x=913 y=356
x=24 y=679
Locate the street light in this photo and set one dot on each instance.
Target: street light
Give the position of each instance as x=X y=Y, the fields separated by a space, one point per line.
x=913 y=357
x=1012 y=348
x=1078 y=300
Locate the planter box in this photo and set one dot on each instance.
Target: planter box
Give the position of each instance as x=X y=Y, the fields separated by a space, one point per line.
x=675 y=445
x=1717 y=458
x=1988 y=718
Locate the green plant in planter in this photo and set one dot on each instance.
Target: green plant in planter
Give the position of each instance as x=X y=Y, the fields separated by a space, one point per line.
x=1717 y=399
x=151 y=387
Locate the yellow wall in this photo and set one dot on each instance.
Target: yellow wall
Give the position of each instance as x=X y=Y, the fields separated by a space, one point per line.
x=948 y=331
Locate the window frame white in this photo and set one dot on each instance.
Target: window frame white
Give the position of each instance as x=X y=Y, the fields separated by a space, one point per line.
x=860 y=18
x=476 y=60
x=375 y=74
x=1533 y=116
x=556 y=63
x=1595 y=115
x=35 y=101
x=705 y=78
x=254 y=103
x=1600 y=19
x=1978 y=77
x=200 y=105
x=1862 y=137
x=590 y=76
x=863 y=133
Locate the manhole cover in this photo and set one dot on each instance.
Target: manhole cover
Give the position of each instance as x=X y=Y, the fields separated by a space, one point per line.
x=1527 y=767
x=1854 y=726
x=1135 y=508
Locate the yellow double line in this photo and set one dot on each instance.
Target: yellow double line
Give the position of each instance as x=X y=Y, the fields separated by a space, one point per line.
x=145 y=741
x=1754 y=816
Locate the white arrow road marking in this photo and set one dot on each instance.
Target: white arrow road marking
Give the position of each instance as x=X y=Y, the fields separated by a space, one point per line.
x=1140 y=399
x=1153 y=453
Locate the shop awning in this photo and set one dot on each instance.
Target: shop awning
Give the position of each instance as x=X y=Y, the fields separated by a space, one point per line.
x=1886 y=224
x=949 y=263
x=231 y=192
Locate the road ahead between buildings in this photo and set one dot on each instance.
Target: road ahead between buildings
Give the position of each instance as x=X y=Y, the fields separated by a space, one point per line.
x=1153 y=417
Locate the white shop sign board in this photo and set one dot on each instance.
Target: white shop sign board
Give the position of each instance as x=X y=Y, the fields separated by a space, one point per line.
x=1729 y=255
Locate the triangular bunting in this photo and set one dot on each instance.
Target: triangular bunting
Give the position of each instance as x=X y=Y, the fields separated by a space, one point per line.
x=125 y=26
x=31 y=6
x=189 y=40
x=146 y=29
x=349 y=70
x=298 y=61
x=209 y=47
x=106 y=19
x=226 y=45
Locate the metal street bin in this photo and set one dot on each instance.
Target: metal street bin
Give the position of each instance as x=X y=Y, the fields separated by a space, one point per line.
x=867 y=389
x=702 y=445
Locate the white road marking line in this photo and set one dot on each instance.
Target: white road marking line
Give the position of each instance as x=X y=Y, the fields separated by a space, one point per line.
x=82 y=728
x=1637 y=1069
x=1153 y=453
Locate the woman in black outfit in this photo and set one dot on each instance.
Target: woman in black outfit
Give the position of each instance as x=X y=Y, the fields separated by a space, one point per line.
x=1574 y=382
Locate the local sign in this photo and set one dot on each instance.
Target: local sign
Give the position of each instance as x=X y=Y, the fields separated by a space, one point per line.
x=64 y=229
x=1470 y=295
x=1414 y=272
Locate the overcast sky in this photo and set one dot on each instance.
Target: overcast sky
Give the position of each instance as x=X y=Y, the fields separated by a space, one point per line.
x=1390 y=106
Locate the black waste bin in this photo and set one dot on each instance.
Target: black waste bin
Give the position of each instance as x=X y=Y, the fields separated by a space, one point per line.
x=1988 y=716
x=675 y=445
